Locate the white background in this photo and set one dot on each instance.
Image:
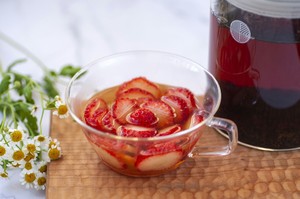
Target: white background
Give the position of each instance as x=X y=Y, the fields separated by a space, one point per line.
x=61 y=32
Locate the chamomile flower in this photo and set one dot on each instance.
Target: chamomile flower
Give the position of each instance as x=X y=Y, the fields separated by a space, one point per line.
x=43 y=140
x=3 y=174
x=5 y=151
x=28 y=178
x=61 y=109
x=29 y=156
x=31 y=146
x=41 y=166
x=28 y=166
x=17 y=156
x=17 y=135
x=40 y=182
x=53 y=142
x=54 y=152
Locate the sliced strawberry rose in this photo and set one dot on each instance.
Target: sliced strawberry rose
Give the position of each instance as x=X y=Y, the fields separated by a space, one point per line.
x=142 y=117
x=94 y=112
x=159 y=157
x=185 y=94
x=136 y=131
x=162 y=111
x=136 y=93
x=142 y=83
x=169 y=130
x=122 y=107
x=110 y=158
x=179 y=105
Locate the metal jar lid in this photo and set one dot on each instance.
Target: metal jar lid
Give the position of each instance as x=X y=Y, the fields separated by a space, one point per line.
x=270 y=8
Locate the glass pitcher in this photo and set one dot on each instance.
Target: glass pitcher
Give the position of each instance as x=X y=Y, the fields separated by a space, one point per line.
x=255 y=56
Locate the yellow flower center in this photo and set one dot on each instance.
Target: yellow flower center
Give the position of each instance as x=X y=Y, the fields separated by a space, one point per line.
x=2 y=151
x=41 y=138
x=29 y=157
x=54 y=154
x=28 y=166
x=16 y=136
x=62 y=109
x=18 y=155
x=51 y=144
x=30 y=177
x=31 y=148
x=4 y=175
x=43 y=169
x=41 y=181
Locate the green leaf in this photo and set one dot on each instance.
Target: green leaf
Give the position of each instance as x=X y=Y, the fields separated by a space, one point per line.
x=48 y=86
x=4 y=85
x=27 y=90
x=69 y=71
x=23 y=114
x=20 y=79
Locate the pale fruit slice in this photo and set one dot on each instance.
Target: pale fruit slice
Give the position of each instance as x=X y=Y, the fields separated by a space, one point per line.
x=159 y=162
x=110 y=158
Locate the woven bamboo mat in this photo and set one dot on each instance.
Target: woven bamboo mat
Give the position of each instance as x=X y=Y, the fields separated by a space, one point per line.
x=247 y=173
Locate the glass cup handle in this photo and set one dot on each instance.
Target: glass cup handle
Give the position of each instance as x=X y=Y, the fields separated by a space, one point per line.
x=222 y=124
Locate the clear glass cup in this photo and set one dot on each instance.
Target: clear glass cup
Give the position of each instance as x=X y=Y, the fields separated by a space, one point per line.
x=125 y=154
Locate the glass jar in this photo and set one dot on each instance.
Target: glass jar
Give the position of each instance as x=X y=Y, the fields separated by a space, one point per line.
x=255 y=56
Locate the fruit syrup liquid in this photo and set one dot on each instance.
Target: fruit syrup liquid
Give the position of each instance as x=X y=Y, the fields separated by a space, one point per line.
x=259 y=80
x=128 y=156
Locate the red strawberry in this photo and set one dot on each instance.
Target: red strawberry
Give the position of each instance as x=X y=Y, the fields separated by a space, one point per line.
x=142 y=117
x=179 y=105
x=136 y=131
x=94 y=112
x=136 y=93
x=110 y=158
x=185 y=94
x=169 y=130
x=109 y=124
x=142 y=83
x=121 y=108
x=162 y=111
x=159 y=157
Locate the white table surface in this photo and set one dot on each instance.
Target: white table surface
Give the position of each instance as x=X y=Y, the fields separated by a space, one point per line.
x=77 y=32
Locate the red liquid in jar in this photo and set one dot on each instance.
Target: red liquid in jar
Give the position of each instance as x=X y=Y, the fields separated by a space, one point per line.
x=260 y=79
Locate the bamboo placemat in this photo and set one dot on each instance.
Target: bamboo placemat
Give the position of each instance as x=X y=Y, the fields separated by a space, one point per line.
x=247 y=173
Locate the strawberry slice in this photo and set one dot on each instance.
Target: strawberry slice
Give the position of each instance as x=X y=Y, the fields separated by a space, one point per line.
x=142 y=117
x=179 y=105
x=159 y=157
x=169 y=130
x=136 y=131
x=158 y=162
x=109 y=124
x=162 y=111
x=94 y=112
x=196 y=119
x=142 y=83
x=136 y=93
x=122 y=107
x=110 y=158
x=185 y=94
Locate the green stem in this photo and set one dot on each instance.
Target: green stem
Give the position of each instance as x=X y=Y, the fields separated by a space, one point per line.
x=24 y=50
